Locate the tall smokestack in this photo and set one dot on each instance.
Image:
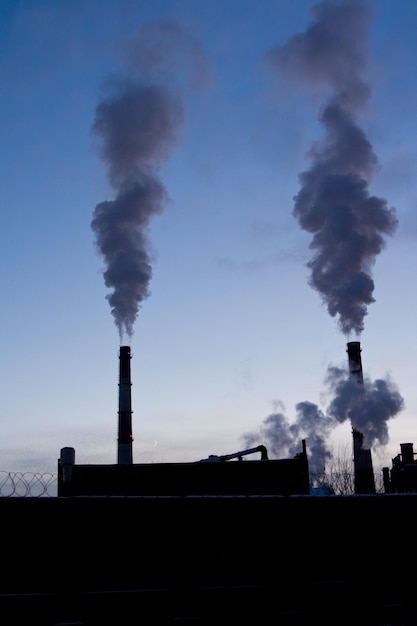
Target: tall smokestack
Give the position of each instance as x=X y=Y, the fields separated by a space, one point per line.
x=125 y=438
x=362 y=458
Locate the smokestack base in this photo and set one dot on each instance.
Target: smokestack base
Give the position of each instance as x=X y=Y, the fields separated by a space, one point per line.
x=363 y=468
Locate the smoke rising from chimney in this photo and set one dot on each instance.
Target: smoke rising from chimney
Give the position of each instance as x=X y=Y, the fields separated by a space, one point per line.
x=347 y=223
x=368 y=407
x=283 y=438
x=137 y=123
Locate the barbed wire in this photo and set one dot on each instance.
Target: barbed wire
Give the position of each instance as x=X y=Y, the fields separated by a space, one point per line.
x=45 y=485
x=28 y=485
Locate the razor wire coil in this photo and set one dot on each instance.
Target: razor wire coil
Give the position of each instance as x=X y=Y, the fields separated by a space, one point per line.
x=28 y=485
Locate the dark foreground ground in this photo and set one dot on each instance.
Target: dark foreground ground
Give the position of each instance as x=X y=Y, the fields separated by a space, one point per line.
x=125 y=561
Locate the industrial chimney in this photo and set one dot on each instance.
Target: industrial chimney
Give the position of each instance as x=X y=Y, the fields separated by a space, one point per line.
x=362 y=459
x=125 y=439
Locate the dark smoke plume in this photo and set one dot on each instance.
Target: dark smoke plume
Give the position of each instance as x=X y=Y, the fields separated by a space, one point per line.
x=137 y=123
x=347 y=223
x=368 y=407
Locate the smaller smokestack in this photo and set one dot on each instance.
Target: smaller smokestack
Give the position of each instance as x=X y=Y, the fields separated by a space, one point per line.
x=355 y=360
x=407 y=453
x=387 y=479
x=67 y=461
x=125 y=438
x=363 y=468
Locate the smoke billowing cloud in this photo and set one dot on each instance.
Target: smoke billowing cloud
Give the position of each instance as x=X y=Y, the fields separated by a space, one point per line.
x=334 y=204
x=137 y=123
x=368 y=407
x=283 y=438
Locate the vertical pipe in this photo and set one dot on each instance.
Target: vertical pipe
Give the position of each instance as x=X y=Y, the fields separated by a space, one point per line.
x=125 y=438
x=66 y=464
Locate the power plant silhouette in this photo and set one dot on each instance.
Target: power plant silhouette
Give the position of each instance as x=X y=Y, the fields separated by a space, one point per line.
x=216 y=474
x=236 y=537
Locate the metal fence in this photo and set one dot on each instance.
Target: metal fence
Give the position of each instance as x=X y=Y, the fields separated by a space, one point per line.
x=28 y=485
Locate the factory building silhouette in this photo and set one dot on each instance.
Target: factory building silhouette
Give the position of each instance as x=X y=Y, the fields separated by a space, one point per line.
x=237 y=537
x=216 y=475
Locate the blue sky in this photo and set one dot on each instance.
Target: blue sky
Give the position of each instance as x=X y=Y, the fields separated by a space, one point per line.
x=231 y=331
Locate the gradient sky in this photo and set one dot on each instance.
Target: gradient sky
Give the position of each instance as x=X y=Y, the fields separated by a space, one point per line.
x=228 y=336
